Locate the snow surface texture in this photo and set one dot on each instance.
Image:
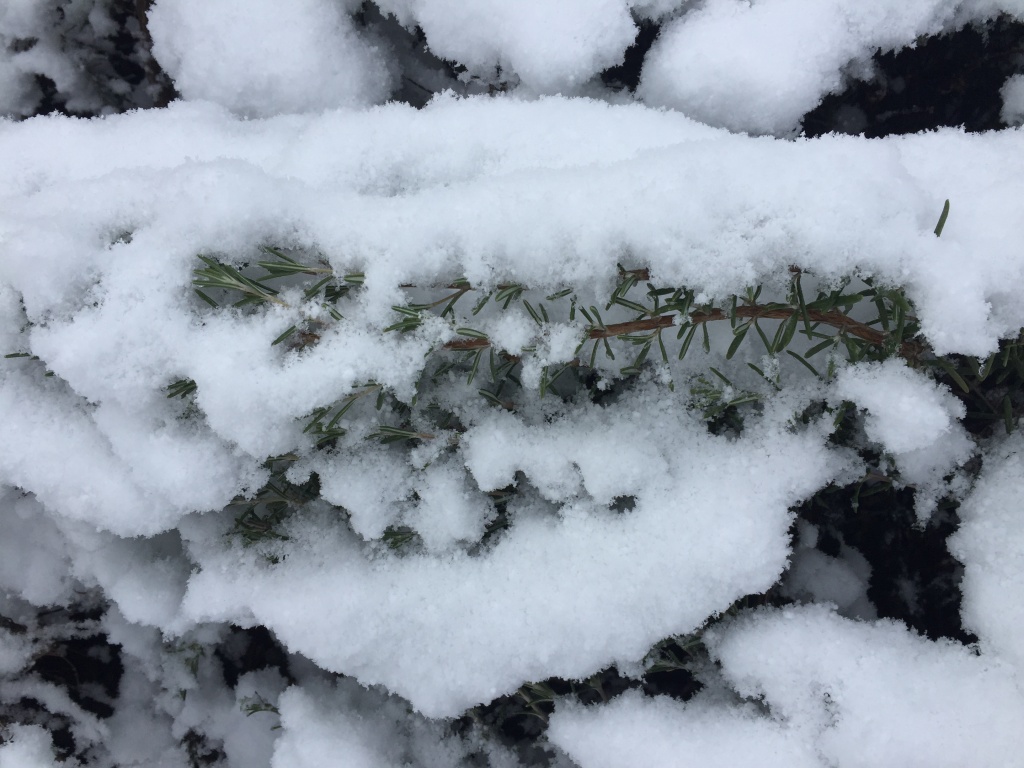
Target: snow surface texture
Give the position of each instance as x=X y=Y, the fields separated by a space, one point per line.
x=110 y=488
x=193 y=179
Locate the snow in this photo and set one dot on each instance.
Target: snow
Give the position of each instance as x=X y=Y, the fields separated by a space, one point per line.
x=477 y=218
x=816 y=577
x=630 y=524
x=65 y=53
x=914 y=419
x=20 y=19
x=835 y=692
x=868 y=694
x=758 y=67
x=634 y=730
x=989 y=545
x=1013 y=100
x=510 y=331
x=262 y=58
x=323 y=722
x=15 y=652
x=549 y=52
x=35 y=564
x=448 y=511
x=690 y=196
x=448 y=633
x=86 y=728
x=29 y=747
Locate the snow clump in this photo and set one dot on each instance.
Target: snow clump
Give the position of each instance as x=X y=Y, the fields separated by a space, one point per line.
x=264 y=57
x=914 y=419
x=759 y=66
x=835 y=692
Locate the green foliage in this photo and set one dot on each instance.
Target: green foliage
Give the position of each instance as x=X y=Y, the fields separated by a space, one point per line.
x=854 y=319
x=222 y=276
x=642 y=328
x=329 y=431
x=397 y=536
x=27 y=357
x=181 y=388
x=218 y=282
x=942 y=219
x=256 y=703
x=190 y=653
x=991 y=389
x=259 y=519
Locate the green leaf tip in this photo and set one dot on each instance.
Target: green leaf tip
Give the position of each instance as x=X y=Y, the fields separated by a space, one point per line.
x=942 y=219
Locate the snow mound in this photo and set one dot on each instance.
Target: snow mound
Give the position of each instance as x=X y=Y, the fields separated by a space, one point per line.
x=548 y=51
x=913 y=418
x=869 y=694
x=344 y=724
x=758 y=67
x=263 y=57
x=451 y=632
x=990 y=544
x=656 y=732
x=838 y=693
x=1012 y=92
x=29 y=747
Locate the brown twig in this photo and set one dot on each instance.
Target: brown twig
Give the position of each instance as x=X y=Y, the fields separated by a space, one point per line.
x=833 y=318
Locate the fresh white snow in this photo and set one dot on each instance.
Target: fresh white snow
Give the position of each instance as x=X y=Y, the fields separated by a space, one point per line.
x=284 y=136
x=834 y=692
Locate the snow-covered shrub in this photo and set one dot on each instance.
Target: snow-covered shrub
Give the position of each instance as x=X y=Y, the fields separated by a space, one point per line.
x=83 y=57
x=513 y=429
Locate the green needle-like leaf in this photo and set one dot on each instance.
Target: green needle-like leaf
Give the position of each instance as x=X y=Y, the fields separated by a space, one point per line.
x=942 y=219
x=803 y=362
x=283 y=336
x=741 y=332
